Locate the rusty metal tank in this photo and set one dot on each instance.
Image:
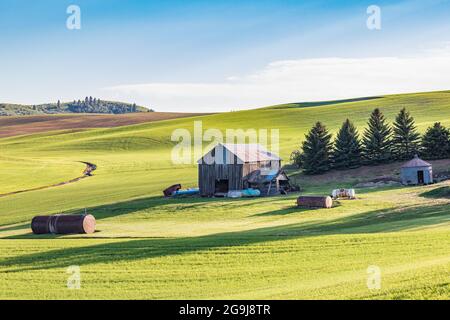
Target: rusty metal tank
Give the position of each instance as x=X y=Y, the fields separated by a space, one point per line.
x=315 y=202
x=63 y=224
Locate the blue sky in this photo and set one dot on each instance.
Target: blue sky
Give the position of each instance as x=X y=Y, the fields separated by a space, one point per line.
x=219 y=55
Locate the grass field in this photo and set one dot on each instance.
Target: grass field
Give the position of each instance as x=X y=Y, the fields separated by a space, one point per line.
x=150 y=247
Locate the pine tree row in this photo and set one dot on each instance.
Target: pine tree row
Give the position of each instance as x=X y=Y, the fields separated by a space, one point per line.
x=380 y=143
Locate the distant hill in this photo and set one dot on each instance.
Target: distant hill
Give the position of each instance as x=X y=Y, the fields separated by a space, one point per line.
x=87 y=105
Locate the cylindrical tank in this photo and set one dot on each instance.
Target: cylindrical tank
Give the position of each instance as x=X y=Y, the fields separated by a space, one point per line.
x=315 y=202
x=40 y=224
x=63 y=224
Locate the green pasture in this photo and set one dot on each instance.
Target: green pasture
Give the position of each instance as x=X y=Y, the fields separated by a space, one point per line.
x=150 y=247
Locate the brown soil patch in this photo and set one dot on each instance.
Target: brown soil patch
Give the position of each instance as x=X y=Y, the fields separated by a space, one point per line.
x=22 y=125
x=383 y=172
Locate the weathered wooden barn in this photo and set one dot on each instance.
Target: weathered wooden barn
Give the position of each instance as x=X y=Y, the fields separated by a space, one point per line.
x=416 y=172
x=228 y=167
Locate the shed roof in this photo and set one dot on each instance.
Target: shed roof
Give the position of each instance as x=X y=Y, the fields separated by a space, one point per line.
x=416 y=162
x=261 y=176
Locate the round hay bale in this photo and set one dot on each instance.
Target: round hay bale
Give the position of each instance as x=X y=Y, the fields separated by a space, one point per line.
x=314 y=202
x=64 y=224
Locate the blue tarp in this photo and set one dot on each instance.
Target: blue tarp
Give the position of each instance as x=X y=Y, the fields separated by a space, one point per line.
x=251 y=193
x=188 y=192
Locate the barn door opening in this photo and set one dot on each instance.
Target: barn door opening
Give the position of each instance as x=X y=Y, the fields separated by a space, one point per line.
x=420 y=177
x=221 y=186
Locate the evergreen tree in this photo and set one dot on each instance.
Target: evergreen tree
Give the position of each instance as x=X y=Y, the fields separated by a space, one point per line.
x=405 y=140
x=58 y=104
x=316 y=150
x=347 y=147
x=436 y=142
x=296 y=158
x=377 y=145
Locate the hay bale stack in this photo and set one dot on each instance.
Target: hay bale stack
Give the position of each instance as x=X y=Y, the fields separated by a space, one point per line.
x=315 y=202
x=63 y=224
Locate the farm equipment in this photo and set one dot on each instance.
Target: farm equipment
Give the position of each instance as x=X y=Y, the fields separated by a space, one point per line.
x=171 y=190
x=175 y=191
x=348 y=194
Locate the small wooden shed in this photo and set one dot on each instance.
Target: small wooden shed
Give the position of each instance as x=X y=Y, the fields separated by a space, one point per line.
x=269 y=182
x=416 y=172
x=227 y=167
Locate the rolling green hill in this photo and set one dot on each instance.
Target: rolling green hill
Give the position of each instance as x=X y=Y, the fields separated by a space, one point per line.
x=150 y=247
x=88 y=105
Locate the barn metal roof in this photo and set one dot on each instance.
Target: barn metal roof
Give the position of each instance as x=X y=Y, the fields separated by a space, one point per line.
x=416 y=162
x=251 y=152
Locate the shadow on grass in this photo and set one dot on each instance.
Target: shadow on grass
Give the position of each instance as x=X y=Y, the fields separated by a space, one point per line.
x=142 y=204
x=114 y=210
x=178 y=205
x=132 y=249
x=438 y=193
x=294 y=209
x=282 y=212
x=13 y=227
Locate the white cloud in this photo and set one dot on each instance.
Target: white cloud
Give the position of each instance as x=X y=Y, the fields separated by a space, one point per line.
x=297 y=80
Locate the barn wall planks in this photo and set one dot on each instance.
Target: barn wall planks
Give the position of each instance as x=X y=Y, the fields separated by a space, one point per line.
x=208 y=174
x=236 y=174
